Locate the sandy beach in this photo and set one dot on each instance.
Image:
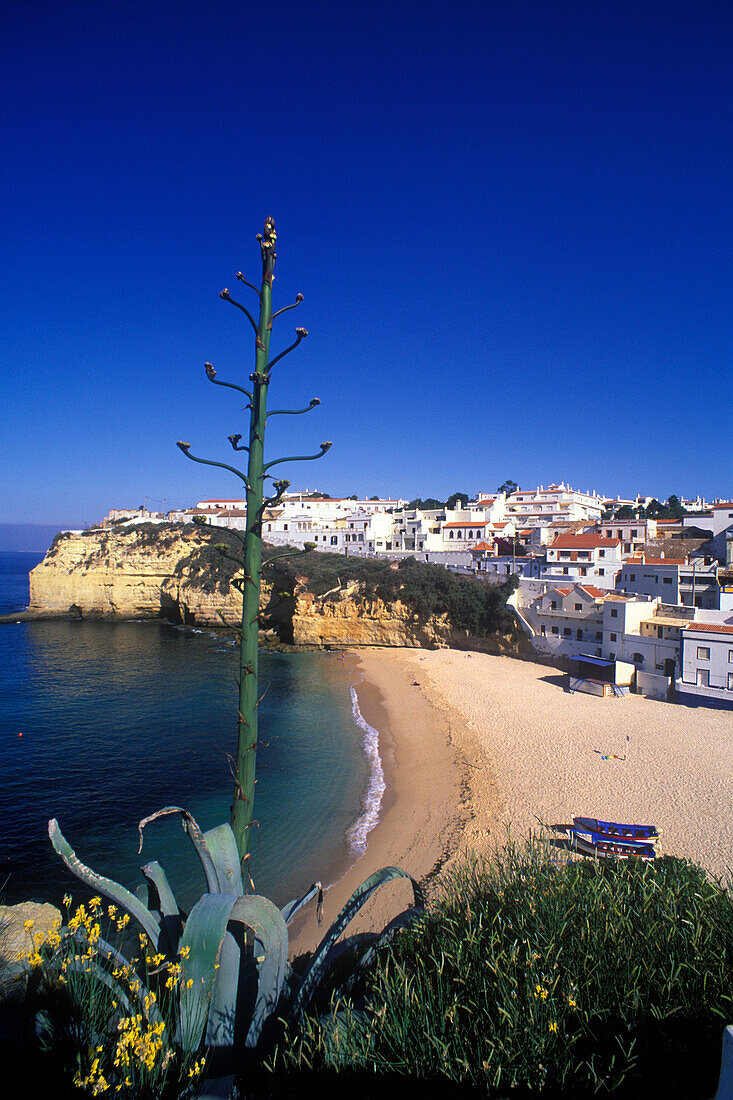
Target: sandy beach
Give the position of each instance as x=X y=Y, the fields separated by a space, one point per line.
x=425 y=805
x=483 y=744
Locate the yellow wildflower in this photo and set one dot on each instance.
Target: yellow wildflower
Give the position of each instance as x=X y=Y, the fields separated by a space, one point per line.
x=95 y=902
x=553 y=1025
x=572 y=1003
x=67 y=900
x=111 y=911
x=123 y=921
x=185 y=952
x=29 y=925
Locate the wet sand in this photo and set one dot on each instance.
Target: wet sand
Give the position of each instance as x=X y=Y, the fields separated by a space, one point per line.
x=424 y=809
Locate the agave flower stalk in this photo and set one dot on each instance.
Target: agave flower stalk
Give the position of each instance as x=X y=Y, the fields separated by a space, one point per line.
x=257 y=502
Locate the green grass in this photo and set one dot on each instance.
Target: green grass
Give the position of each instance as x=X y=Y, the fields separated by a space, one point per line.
x=531 y=978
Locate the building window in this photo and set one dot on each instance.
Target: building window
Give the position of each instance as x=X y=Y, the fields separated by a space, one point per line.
x=601 y=572
x=614 y=612
x=555 y=630
x=566 y=631
x=613 y=637
x=565 y=570
x=553 y=605
x=578 y=607
x=703 y=653
x=584 y=572
x=730 y=656
x=666 y=580
x=601 y=553
x=703 y=677
x=638 y=659
x=634 y=533
x=599 y=635
x=580 y=635
x=632 y=576
x=730 y=681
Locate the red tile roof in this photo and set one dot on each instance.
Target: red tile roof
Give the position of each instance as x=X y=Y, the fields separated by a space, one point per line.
x=717 y=628
x=482 y=546
x=724 y=504
x=596 y=593
x=465 y=523
x=582 y=542
x=563 y=591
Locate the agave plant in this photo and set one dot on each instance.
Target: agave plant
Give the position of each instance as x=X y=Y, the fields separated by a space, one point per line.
x=233 y=947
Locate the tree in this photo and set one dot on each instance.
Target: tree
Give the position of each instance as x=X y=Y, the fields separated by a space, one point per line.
x=243 y=771
x=508 y=487
x=452 y=501
x=675 y=507
x=624 y=512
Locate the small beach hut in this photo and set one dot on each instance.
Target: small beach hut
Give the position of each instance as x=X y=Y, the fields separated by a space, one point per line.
x=600 y=676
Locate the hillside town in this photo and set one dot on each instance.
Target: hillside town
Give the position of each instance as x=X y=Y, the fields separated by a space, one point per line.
x=642 y=599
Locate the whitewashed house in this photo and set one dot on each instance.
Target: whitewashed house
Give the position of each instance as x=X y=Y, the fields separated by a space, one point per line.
x=592 y=559
x=707 y=662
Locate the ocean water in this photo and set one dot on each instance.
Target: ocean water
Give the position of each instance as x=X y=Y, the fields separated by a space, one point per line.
x=102 y=724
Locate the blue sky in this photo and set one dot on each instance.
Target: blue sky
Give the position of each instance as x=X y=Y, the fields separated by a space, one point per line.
x=511 y=222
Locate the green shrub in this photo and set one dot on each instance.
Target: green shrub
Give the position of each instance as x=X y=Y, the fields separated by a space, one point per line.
x=532 y=978
x=426 y=589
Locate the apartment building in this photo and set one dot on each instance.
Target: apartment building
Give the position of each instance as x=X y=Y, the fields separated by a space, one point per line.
x=538 y=507
x=592 y=558
x=633 y=533
x=689 y=580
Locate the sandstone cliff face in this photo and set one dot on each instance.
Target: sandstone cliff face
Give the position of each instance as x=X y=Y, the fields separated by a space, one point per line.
x=127 y=575
x=136 y=574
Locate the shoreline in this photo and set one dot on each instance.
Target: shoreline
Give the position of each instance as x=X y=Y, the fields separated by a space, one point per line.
x=424 y=808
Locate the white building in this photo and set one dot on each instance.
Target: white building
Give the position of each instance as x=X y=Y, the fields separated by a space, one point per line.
x=692 y=581
x=571 y=617
x=707 y=662
x=592 y=559
x=633 y=533
x=722 y=525
x=538 y=507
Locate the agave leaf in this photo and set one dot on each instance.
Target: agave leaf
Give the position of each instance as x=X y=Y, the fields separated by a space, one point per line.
x=112 y=890
x=223 y=848
x=203 y=936
x=294 y=906
x=319 y=961
x=271 y=956
x=402 y=920
x=190 y=826
x=171 y=920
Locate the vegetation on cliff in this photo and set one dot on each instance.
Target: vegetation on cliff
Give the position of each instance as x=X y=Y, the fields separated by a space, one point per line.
x=427 y=590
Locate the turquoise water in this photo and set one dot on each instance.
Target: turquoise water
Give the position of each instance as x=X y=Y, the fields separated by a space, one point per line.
x=120 y=719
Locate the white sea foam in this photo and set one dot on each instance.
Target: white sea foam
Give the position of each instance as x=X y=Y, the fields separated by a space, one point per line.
x=372 y=804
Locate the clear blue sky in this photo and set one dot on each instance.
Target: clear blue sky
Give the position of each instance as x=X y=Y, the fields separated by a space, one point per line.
x=511 y=221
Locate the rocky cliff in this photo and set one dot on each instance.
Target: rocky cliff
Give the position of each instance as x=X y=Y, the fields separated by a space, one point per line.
x=174 y=572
